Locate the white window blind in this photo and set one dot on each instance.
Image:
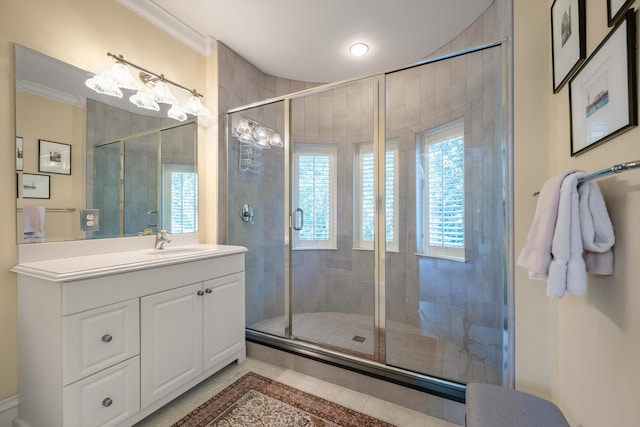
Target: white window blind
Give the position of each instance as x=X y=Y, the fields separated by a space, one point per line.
x=442 y=199
x=314 y=188
x=365 y=196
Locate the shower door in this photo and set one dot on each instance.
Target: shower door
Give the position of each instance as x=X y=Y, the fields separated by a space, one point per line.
x=333 y=206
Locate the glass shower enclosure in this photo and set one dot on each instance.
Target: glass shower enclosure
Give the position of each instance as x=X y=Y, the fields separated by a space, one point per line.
x=378 y=227
x=151 y=171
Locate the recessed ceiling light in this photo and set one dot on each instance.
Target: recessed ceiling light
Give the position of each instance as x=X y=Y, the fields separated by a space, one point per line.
x=359 y=49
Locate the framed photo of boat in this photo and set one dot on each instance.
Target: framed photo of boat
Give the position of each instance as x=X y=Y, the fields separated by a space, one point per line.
x=602 y=95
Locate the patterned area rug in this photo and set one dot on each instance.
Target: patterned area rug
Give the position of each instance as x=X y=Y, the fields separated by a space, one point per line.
x=254 y=401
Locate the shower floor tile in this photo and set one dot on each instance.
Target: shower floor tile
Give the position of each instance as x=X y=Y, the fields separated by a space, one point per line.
x=408 y=347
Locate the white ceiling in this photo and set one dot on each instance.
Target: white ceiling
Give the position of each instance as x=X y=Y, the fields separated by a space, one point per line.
x=309 y=40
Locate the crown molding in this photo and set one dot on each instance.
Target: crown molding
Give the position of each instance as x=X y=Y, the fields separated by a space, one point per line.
x=47 y=92
x=170 y=25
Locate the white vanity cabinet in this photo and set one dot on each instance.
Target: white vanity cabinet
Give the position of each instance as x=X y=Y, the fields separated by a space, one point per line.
x=189 y=330
x=105 y=342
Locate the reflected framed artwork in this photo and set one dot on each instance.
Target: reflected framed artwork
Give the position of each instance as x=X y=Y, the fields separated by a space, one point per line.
x=616 y=9
x=602 y=95
x=35 y=186
x=19 y=153
x=568 y=40
x=54 y=157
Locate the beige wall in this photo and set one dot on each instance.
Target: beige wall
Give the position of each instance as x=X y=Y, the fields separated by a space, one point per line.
x=43 y=118
x=81 y=33
x=580 y=351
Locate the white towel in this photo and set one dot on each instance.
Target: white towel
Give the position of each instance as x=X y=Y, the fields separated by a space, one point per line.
x=33 y=220
x=582 y=240
x=536 y=254
x=567 y=271
x=597 y=231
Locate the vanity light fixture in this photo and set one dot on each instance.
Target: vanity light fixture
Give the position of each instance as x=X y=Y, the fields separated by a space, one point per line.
x=256 y=134
x=155 y=89
x=359 y=49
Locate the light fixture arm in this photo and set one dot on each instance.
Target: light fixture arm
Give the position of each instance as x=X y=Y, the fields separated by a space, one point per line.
x=120 y=58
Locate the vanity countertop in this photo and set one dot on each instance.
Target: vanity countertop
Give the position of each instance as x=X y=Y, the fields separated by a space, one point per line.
x=83 y=267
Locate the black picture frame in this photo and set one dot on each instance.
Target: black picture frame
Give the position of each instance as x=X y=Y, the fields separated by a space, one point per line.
x=54 y=157
x=602 y=94
x=616 y=10
x=568 y=40
x=36 y=186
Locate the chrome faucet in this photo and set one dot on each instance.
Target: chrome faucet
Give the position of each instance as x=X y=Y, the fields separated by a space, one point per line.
x=161 y=239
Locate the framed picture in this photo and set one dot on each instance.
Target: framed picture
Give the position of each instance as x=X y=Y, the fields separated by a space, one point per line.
x=54 y=157
x=19 y=153
x=35 y=186
x=602 y=95
x=615 y=10
x=568 y=40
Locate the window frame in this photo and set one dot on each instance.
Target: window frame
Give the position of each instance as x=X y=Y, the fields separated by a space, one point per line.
x=331 y=151
x=451 y=130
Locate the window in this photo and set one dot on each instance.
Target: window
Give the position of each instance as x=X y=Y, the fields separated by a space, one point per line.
x=364 y=203
x=180 y=201
x=314 y=191
x=440 y=191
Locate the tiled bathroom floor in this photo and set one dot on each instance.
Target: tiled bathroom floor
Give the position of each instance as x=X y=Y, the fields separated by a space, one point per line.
x=390 y=412
x=408 y=347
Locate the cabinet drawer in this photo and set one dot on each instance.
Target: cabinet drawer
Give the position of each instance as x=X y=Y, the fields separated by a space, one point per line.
x=99 y=338
x=104 y=399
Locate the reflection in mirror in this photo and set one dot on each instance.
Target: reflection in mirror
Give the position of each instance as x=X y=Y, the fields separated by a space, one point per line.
x=125 y=161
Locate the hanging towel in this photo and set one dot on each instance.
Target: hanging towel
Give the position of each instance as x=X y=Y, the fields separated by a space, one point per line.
x=33 y=219
x=583 y=239
x=597 y=232
x=567 y=271
x=536 y=255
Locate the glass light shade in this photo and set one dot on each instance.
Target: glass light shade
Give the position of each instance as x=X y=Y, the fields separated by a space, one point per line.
x=276 y=140
x=262 y=138
x=244 y=131
x=194 y=107
x=144 y=100
x=103 y=85
x=176 y=112
x=122 y=77
x=243 y=127
x=161 y=93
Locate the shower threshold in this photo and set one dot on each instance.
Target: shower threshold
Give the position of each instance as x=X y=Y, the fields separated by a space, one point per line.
x=432 y=385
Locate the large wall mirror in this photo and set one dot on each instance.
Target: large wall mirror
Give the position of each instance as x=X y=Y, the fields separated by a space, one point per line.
x=94 y=166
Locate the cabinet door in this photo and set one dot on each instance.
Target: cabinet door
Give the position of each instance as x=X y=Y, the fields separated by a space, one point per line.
x=224 y=332
x=171 y=340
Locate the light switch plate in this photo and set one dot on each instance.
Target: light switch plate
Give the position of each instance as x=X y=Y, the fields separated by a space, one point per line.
x=89 y=219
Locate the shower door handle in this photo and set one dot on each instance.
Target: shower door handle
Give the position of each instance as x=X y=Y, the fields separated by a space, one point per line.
x=298 y=213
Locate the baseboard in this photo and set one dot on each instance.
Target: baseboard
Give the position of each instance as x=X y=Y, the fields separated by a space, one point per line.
x=8 y=411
